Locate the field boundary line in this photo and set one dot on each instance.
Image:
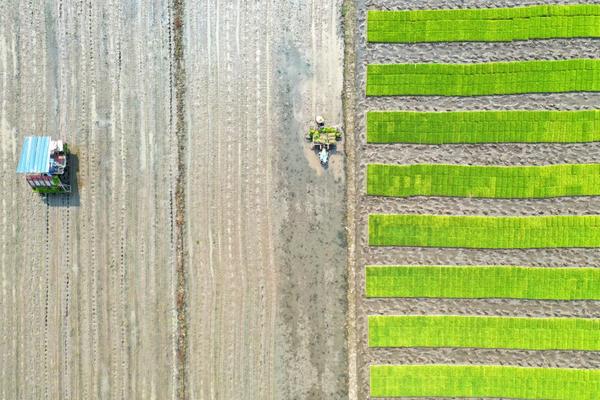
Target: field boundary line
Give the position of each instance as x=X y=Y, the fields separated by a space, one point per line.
x=349 y=16
x=179 y=78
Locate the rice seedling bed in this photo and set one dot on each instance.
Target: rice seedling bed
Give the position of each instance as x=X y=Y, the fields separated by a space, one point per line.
x=496 y=78
x=484 y=25
x=483 y=181
x=483 y=127
x=416 y=230
x=485 y=332
x=477 y=381
x=479 y=282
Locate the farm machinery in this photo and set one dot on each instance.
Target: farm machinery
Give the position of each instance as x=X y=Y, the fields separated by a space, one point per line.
x=44 y=162
x=323 y=139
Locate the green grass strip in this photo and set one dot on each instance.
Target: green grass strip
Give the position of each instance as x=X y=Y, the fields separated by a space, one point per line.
x=481 y=282
x=485 y=25
x=485 y=332
x=415 y=230
x=523 y=182
x=475 y=381
x=577 y=75
x=483 y=127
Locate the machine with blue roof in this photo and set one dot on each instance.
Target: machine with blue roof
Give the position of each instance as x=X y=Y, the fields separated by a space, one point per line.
x=44 y=162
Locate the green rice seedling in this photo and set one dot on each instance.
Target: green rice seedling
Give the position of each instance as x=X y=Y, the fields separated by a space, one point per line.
x=484 y=381
x=497 y=78
x=485 y=25
x=483 y=127
x=480 y=282
x=533 y=182
x=485 y=332
x=416 y=230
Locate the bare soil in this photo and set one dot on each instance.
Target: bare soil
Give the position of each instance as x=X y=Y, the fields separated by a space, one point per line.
x=91 y=305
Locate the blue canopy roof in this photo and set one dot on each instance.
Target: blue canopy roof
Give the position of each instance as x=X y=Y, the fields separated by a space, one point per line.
x=35 y=156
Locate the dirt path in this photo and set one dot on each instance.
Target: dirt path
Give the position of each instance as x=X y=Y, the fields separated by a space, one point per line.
x=88 y=294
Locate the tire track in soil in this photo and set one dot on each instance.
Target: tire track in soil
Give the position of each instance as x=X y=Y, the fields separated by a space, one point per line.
x=242 y=143
x=92 y=161
x=30 y=328
x=175 y=372
x=37 y=363
x=6 y=303
x=46 y=296
x=230 y=357
x=123 y=276
x=201 y=235
x=86 y=338
x=10 y=328
x=65 y=386
x=268 y=277
x=115 y=285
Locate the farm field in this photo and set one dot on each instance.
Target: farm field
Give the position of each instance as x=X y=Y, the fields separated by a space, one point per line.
x=175 y=270
x=485 y=25
x=464 y=209
x=483 y=181
x=485 y=381
x=479 y=282
x=494 y=78
x=519 y=126
x=484 y=232
x=484 y=332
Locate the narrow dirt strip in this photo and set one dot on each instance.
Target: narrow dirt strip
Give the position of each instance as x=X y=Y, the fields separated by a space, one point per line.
x=179 y=77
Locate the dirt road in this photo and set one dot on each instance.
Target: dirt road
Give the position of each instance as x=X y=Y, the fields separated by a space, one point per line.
x=88 y=282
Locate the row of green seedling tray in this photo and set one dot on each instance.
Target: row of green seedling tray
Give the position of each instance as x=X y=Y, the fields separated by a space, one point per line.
x=417 y=230
x=499 y=78
x=483 y=181
x=480 y=282
x=484 y=381
x=483 y=127
x=484 y=25
x=522 y=333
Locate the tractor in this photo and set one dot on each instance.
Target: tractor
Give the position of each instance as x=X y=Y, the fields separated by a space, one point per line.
x=323 y=139
x=44 y=162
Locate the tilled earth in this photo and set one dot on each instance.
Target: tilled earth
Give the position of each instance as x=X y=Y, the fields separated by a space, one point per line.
x=88 y=305
x=485 y=154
